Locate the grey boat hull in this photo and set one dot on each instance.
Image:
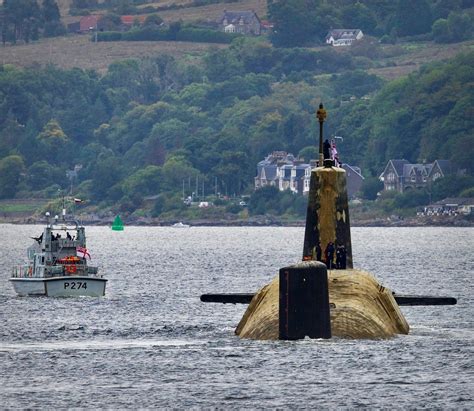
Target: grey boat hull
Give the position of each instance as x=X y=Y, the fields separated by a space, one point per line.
x=70 y=286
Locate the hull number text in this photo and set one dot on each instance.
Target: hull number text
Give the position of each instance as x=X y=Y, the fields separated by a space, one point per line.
x=75 y=285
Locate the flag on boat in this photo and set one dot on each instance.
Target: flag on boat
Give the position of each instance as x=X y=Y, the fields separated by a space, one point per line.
x=77 y=200
x=83 y=252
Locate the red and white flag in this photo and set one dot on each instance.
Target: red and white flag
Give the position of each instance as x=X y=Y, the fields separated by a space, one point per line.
x=82 y=252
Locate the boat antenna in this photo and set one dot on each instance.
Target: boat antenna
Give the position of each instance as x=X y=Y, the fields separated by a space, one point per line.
x=64 y=209
x=321 y=116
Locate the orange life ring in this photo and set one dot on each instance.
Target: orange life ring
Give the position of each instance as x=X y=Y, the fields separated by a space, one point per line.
x=71 y=269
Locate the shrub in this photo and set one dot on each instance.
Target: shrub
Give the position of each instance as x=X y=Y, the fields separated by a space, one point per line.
x=108 y=36
x=205 y=36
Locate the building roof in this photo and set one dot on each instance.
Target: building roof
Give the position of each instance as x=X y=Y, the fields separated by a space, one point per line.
x=234 y=16
x=445 y=166
x=398 y=166
x=89 y=22
x=129 y=20
x=419 y=169
x=337 y=34
x=270 y=172
x=354 y=169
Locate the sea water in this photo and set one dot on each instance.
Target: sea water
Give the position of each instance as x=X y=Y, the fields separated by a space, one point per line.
x=151 y=343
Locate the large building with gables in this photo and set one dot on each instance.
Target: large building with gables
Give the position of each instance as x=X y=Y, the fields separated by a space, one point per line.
x=243 y=22
x=286 y=172
x=400 y=175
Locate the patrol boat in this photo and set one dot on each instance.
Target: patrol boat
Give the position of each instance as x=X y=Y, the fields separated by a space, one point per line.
x=57 y=264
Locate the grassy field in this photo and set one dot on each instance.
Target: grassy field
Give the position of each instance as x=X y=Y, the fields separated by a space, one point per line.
x=209 y=12
x=20 y=208
x=415 y=55
x=212 y=11
x=79 y=51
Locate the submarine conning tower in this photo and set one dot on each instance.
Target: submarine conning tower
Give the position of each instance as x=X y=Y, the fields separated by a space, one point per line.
x=327 y=216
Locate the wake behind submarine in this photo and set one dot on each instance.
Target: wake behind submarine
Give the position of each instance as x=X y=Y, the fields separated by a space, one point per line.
x=310 y=298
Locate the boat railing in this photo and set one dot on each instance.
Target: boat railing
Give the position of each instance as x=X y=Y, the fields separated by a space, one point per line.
x=26 y=271
x=22 y=271
x=71 y=270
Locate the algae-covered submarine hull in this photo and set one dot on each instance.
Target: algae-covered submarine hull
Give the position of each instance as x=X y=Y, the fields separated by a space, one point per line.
x=360 y=308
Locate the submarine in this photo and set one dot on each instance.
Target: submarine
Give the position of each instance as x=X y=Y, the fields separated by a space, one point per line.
x=324 y=296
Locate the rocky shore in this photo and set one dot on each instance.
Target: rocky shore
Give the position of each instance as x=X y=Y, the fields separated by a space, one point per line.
x=257 y=221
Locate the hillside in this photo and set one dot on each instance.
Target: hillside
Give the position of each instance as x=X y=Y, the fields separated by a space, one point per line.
x=146 y=124
x=79 y=51
x=191 y=13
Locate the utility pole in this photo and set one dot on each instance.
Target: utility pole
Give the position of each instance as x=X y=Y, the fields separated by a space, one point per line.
x=197 y=185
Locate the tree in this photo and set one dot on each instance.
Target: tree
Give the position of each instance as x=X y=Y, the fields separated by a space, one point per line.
x=440 y=30
x=296 y=22
x=370 y=188
x=413 y=17
x=359 y=16
x=21 y=20
x=153 y=20
x=52 y=19
x=53 y=142
x=11 y=170
x=143 y=182
x=451 y=186
x=175 y=170
x=42 y=174
x=460 y=26
x=309 y=153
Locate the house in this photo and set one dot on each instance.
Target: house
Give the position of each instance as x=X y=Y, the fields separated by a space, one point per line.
x=297 y=178
x=284 y=177
x=266 y=26
x=244 y=22
x=286 y=172
x=74 y=27
x=400 y=175
x=343 y=37
x=354 y=180
x=91 y=23
x=267 y=170
x=87 y=24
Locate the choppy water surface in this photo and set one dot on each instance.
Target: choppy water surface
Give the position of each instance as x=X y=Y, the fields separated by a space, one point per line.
x=151 y=343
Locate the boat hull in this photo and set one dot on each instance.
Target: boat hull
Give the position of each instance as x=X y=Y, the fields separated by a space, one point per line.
x=70 y=286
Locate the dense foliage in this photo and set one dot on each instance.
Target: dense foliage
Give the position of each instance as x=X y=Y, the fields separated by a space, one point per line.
x=81 y=7
x=300 y=23
x=425 y=116
x=162 y=128
x=176 y=32
x=27 y=20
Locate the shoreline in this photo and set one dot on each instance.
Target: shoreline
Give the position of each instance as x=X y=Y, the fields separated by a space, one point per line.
x=270 y=221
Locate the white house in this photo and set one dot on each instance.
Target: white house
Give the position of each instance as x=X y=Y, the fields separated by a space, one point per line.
x=343 y=37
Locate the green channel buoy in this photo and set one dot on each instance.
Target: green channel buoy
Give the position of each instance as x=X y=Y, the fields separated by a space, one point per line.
x=117 y=225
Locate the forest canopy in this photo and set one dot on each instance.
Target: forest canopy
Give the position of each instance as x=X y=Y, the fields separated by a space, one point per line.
x=152 y=127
